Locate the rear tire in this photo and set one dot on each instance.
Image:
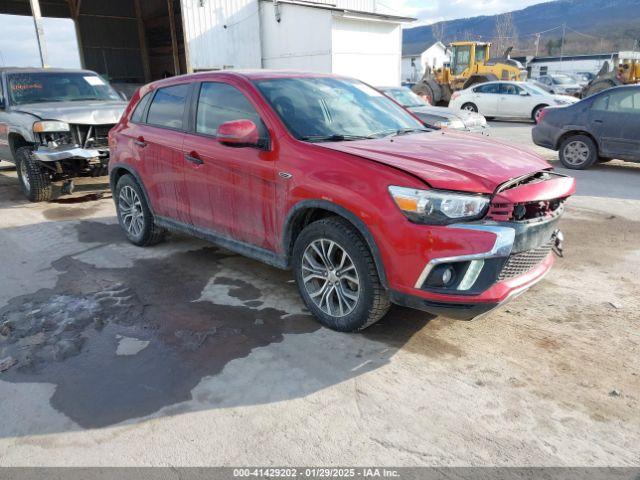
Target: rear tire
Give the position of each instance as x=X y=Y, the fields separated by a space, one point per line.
x=134 y=214
x=469 y=107
x=35 y=181
x=337 y=276
x=578 y=152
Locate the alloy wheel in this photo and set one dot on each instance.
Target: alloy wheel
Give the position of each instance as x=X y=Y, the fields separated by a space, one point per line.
x=24 y=175
x=576 y=153
x=330 y=277
x=130 y=208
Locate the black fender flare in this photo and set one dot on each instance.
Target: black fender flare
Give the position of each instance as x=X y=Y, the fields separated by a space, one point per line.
x=134 y=173
x=298 y=210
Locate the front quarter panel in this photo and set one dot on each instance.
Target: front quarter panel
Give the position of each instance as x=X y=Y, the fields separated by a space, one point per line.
x=360 y=187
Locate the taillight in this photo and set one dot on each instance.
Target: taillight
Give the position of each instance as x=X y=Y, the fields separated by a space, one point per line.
x=541 y=114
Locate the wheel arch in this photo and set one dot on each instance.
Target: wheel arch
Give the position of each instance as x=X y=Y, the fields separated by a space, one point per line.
x=17 y=141
x=307 y=211
x=118 y=172
x=571 y=133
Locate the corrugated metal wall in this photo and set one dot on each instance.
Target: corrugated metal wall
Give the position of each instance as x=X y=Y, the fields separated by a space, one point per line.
x=109 y=39
x=222 y=33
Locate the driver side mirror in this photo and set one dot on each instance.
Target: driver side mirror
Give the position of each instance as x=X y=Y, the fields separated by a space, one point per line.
x=239 y=133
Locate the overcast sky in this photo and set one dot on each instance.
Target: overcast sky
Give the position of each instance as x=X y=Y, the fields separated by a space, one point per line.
x=18 y=41
x=18 y=46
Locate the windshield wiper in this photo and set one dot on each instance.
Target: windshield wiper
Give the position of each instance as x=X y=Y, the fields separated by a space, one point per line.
x=333 y=138
x=405 y=131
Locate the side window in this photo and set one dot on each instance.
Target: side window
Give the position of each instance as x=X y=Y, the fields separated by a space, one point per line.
x=138 y=112
x=509 y=89
x=219 y=103
x=167 y=107
x=490 y=88
x=626 y=101
x=601 y=103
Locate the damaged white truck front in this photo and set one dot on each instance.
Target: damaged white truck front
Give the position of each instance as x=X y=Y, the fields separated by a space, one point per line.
x=54 y=126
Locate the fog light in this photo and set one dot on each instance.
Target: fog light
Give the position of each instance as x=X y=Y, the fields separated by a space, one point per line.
x=442 y=276
x=447 y=275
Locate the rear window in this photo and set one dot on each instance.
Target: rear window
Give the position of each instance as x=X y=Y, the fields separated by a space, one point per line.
x=137 y=116
x=167 y=106
x=490 y=88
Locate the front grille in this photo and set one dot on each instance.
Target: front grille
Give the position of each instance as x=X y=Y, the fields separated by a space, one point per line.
x=91 y=136
x=520 y=263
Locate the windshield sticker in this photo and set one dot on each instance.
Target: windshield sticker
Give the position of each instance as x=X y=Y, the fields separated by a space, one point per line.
x=94 y=81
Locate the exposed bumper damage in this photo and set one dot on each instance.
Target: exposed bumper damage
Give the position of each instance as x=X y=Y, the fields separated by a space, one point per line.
x=522 y=224
x=46 y=154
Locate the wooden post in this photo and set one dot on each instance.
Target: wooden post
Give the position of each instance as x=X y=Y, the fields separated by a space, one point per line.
x=174 y=38
x=142 y=38
x=37 y=21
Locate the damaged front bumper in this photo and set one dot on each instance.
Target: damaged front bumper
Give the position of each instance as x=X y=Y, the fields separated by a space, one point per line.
x=47 y=154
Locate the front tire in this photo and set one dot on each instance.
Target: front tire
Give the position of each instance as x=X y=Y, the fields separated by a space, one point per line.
x=35 y=181
x=134 y=214
x=337 y=276
x=470 y=107
x=578 y=152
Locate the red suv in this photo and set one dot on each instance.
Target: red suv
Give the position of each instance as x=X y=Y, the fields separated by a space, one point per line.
x=327 y=176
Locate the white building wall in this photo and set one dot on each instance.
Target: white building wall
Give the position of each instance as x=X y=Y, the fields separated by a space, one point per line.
x=367 y=50
x=300 y=41
x=413 y=66
x=221 y=34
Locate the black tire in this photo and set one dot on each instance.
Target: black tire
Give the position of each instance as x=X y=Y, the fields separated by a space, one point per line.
x=471 y=107
x=372 y=300
x=148 y=232
x=536 y=112
x=35 y=181
x=573 y=144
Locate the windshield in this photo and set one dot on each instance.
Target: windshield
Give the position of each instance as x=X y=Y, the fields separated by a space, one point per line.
x=333 y=109
x=534 y=89
x=405 y=97
x=38 y=87
x=563 y=80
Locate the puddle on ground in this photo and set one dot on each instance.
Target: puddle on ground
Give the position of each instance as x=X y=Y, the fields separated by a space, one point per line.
x=122 y=343
x=70 y=335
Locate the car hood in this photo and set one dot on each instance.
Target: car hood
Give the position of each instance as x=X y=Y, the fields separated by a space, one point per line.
x=86 y=112
x=565 y=98
x=448 y=160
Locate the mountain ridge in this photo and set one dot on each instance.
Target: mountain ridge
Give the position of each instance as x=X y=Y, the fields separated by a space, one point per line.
x=591 y=26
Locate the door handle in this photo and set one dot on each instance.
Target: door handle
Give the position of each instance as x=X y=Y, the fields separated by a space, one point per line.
x=193 y=158
x=598 y=121
x=140 y=142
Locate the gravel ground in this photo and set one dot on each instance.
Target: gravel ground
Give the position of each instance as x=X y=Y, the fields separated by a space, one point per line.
x=185 y=354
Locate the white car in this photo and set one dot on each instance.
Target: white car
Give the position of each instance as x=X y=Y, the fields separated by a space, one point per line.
x=507 y=99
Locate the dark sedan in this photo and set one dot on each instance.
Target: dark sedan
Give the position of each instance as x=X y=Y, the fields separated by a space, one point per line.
x=599 y=128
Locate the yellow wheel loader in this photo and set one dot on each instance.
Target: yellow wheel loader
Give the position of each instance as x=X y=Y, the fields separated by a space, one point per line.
x=470 y=64
x=626 y=72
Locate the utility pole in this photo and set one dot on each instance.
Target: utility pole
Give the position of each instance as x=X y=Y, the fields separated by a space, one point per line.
x=37 y=21
x=537 y=43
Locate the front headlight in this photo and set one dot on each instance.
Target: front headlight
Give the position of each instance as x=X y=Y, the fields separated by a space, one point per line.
x=438 y=207
x=50 y=126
